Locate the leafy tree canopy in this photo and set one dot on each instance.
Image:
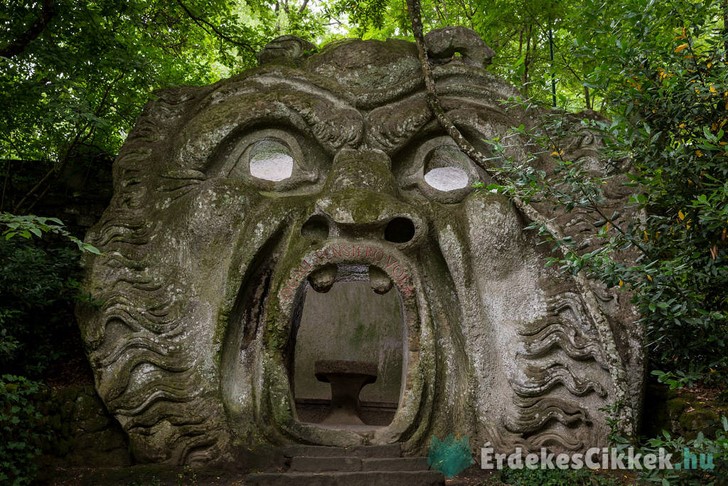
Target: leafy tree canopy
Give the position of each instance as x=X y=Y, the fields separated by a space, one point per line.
x=74 y=74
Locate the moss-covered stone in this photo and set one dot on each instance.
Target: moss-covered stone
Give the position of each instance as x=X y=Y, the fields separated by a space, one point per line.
x=682 y=412
x=85 y=433
x=694 y=421
x=200 y=284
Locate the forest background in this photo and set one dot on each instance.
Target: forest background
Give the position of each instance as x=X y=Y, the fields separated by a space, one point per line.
x=652 y=77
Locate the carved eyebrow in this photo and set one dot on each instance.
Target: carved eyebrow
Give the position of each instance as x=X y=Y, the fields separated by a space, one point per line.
x=332 y=119
x=332 y=122
x=393 y=127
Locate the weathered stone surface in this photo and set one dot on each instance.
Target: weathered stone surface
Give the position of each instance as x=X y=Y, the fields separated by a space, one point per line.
x=443 y=44
x=210 y=252
x=85 y=433
x=387 y=451
x=395 y=464
x=325 y=464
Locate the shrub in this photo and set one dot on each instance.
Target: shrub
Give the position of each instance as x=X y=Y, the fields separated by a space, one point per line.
x=23 y=428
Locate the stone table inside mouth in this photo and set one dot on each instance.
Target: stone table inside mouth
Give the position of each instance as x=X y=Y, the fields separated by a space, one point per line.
x=347 y=378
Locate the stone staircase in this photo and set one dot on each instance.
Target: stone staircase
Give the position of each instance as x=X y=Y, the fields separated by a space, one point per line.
x=354 y=466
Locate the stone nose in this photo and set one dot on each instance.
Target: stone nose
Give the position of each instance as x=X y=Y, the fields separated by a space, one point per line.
x=360 y=200
x=361 y=170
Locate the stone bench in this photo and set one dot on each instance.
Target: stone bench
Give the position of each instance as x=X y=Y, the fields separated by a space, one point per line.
x=347 y=378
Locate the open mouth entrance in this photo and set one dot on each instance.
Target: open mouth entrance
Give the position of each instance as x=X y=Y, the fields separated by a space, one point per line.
x=348 y=361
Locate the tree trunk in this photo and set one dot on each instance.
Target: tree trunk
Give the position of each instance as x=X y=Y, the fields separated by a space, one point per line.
x=527 y=60
x=587 y=98
x=724 y=6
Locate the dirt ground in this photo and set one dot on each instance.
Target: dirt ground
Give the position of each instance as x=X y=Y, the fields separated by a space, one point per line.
x=186 y=476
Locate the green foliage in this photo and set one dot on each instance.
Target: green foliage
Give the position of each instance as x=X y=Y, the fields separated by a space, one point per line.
x=23 y=429
x=31 y=225
x=368 y=14
x=287 y=17
x=678 y=379
x=555 y=477
x=667 y=133
x=710 y=464
x=37 y=332
x=673 y=100
x=83 y=80
x=37 y=292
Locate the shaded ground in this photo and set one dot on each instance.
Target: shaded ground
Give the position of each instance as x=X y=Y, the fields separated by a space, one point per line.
x=186 y=476
x=142 y=476
x=176 y=476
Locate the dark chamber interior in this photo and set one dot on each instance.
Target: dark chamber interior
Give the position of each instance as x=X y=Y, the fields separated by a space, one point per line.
x=355 y=327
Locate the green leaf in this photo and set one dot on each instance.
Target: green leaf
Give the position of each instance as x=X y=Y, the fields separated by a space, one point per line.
x=90 y=248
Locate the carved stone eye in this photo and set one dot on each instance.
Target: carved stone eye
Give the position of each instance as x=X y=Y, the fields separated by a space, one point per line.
x=447 y=178
x=270 y=160
x=444 y=169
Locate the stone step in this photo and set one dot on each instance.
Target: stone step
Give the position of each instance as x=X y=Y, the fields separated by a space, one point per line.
x=353 y=464
x=325 y=464
x=395 y=464
x=376 y=451
x=369 y=478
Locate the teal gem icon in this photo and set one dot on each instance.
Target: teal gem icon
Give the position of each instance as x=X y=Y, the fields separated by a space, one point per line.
x=450 y=456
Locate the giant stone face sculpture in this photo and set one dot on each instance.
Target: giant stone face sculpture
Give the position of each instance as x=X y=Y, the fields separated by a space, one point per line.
x=241 y=207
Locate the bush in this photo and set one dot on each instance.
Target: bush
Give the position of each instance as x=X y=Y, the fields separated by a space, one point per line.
x=668 y=125
x=23 y=428
x=37 y=288
x=680 y=153
x=709 y=466
x=556 y=477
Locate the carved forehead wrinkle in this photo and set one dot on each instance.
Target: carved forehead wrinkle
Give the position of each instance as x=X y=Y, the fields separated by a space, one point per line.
x=333 y=119
x=372 y=73
x=333 y=124
x=489 y=123
x=339 y=100
x=394 y=126
x=294 y=80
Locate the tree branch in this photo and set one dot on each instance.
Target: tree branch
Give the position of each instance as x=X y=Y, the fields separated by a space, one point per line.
x=204 y=25
x=36 y=28
x=78 y=139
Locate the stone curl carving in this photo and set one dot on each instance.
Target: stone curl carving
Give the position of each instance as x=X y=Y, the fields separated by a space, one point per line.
x=239 y=207
x=286 y=49
x=443 y=44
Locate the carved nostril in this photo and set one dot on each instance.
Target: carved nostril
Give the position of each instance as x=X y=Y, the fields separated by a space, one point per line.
x=399 y=230
x=315 y=228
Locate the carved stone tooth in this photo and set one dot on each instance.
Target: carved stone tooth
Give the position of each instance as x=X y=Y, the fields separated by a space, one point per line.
x=323 y=279
x=379 y=280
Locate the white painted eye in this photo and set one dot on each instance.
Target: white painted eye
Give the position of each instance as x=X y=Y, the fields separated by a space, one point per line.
x=270 y=160
x=445 y=169
x=447 y=178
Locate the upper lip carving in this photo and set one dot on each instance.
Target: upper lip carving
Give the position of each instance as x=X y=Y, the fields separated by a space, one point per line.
x=351 y=260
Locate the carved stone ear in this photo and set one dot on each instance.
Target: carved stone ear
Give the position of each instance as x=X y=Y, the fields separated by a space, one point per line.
x=286 y=49
x=444 y=44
